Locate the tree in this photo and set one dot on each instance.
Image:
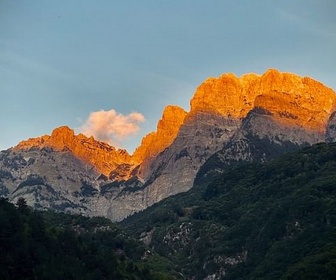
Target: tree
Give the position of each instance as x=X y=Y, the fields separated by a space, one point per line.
x=21 y=203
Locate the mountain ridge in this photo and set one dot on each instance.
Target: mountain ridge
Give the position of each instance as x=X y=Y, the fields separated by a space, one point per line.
x=246 y=96
x=235 y=118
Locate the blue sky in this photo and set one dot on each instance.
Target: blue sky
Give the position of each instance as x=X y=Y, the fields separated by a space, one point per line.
x=61 y=61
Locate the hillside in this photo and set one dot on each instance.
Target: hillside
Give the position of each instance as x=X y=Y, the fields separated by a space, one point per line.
x=275 y=220
x=272 y=220
x=47 y=245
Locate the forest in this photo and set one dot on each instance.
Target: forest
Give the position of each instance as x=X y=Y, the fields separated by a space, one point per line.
x=274 y=220
x=50 y=245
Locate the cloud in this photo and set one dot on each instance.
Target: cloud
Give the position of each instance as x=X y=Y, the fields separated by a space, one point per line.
x=111 y=126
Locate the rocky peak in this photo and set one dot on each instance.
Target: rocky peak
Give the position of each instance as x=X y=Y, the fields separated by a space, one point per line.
x=62 y=137
x=227 y=95
x=105 y=157
x=167 y=129
x=101 y=155
x=294 y=100
x=287 y=98
x=290 y=98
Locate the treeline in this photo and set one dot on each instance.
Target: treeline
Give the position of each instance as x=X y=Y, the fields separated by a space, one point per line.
x=47 y=245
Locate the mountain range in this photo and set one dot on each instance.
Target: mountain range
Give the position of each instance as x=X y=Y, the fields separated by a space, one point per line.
x=252 y=118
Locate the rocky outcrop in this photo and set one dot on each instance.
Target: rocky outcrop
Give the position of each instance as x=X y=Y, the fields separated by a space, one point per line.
x=227 y=95
x=252 y=118
x=167 y=129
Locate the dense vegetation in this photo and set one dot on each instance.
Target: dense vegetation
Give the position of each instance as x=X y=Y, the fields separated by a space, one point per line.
x=255 y=221
x=48 y=245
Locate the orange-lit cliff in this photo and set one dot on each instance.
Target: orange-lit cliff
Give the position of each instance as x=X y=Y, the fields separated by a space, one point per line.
x=289 y=98
x=101 y=155
x=167 y=129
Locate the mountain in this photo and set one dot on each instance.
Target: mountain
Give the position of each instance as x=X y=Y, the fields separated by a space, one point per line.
x=235 y=114
x=252 y=118
x=101 y=155
x=273 y=220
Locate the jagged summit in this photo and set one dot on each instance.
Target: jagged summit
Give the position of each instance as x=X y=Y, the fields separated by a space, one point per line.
x=101 y=155
x=104 y=156
x=167 y=129
x=288 y=97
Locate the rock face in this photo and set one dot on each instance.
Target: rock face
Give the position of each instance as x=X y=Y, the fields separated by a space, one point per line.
x=231 y=120
x=48 y=179
x=99 y=154
x=167 y=129
x=259 y=139
x=290 y=98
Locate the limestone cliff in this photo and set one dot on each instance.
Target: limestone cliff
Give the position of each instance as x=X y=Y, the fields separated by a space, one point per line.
x=227 y=95
x=167 y=129
x=288 y=97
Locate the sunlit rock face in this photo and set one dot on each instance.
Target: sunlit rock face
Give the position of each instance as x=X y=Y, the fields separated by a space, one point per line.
x=290 y=98
x=167 y=129
x=252 y=118
x=99 y=154
x=227 y=95
x=297 y=101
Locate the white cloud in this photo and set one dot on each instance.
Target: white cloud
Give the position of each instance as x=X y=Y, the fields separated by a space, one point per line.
x=111 y=126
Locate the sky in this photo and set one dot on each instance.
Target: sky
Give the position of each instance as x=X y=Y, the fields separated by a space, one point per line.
x=109 y=67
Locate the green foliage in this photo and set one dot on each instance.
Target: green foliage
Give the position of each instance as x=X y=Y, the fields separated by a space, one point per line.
x=47 y=245
x=255 y=221
x=21 y=203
